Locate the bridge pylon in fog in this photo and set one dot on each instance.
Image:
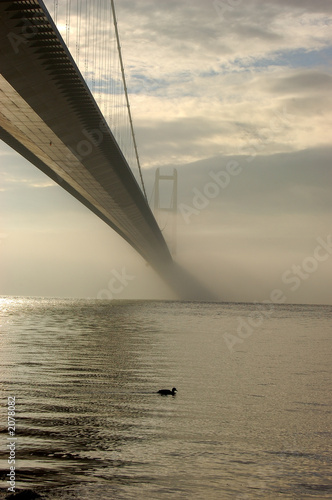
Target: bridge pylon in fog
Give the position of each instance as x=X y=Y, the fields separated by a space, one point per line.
x=171 y=207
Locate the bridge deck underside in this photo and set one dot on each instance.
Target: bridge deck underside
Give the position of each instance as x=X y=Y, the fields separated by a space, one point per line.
x=50 y=117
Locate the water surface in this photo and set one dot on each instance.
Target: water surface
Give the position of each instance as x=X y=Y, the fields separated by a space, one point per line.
x=249 y=422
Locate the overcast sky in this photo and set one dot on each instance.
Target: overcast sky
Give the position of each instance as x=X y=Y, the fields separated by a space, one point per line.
x=237 y=96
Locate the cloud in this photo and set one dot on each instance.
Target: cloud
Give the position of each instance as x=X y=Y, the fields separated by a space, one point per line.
x=284 y=183
x=323 y=6
x=205 y=78
x=14 y=176
x=302 y=82
x=13 y=182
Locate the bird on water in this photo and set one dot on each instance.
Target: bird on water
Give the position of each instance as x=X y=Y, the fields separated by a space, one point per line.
x=167 y=392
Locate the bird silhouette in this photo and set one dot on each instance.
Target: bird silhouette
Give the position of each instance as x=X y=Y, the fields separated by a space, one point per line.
x=167 y=392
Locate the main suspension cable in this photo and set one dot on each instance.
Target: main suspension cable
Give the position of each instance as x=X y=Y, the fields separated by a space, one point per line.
x=127 y=98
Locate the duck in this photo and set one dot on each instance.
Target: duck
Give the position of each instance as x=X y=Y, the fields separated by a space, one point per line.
x=167 y=392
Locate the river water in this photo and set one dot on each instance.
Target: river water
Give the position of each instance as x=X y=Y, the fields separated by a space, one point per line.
x=251 y=418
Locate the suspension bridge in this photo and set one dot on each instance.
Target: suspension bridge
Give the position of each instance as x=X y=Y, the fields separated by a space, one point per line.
x=65 y=108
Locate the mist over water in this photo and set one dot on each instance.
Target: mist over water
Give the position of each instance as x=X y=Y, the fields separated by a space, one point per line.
x=248 y=422
x=186 y=285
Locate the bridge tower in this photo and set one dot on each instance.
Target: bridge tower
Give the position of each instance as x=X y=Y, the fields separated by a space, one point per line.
x=171 y=204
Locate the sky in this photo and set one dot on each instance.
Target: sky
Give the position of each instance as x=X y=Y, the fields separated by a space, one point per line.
x=234 y=94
